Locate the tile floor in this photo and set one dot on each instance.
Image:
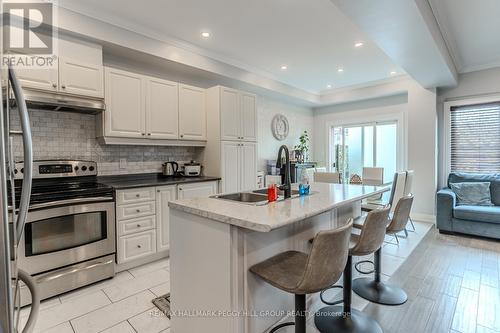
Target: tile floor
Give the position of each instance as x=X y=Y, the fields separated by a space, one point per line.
x=123 y=304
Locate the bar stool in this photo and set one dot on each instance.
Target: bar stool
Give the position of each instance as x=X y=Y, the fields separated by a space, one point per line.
x=340 y=319
x=300 y=274
x=375 y=290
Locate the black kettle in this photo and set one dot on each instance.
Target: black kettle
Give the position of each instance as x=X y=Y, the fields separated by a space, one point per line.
x=170 y=168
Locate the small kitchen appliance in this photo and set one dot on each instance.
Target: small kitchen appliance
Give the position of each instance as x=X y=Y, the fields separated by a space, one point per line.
x=170 y=169
x=192 y=169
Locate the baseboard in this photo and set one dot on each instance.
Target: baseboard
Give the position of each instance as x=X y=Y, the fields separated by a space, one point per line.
x=427 y=218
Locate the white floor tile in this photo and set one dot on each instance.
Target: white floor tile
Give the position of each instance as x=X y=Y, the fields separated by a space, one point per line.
x=118 y=279
x=66 y=311
x=61 y=328
x=120 y=291
x=150 y=322
x=151 y=267
x=161 y=289
x=44 y=305
x=123 y=327
x=113 y=314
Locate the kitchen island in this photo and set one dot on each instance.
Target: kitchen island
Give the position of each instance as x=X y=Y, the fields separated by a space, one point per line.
x=213 y=243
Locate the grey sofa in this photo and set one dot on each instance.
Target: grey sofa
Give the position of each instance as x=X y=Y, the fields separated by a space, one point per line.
x=473 y=220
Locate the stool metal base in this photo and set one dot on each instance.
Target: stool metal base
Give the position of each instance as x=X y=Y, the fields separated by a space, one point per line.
x=280 y=326
x=379 y=292
x=332 y=319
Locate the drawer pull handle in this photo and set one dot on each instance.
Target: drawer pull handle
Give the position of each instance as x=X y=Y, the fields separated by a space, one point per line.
x=138 y=210
x=138 y=246
x=138 y=226
x=137 y=195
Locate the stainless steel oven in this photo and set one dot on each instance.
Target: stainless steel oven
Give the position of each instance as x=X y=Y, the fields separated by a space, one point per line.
x=69 y=237
x=61 y=236
x=69 y=246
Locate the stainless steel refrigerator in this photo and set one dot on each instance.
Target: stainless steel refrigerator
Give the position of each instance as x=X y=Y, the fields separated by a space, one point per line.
x=13 y=216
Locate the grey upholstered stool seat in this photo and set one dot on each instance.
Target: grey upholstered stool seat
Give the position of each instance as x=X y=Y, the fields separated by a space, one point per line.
x=343 y=319
x=375 y=290
x=300 y=273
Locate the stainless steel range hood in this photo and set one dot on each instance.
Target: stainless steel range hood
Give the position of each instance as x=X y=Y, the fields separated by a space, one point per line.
x=44 y=100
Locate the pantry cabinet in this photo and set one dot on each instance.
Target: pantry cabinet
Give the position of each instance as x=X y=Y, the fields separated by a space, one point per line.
x=238 y=114
x=239 y=166
x=231 y=151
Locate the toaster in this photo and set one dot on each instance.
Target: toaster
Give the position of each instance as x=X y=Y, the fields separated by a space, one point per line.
x=192 y=169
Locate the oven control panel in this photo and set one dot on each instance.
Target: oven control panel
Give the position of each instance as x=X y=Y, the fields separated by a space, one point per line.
x=59 y=168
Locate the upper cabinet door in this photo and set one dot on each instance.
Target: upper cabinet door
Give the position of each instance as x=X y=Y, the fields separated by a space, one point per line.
x=164 y=194
x=230 y=113
x=192 y=113
x=45 y=79
x=249 y=117
x=248 y=166
x=79 y=78
x=162 y=109
x=125 y=105
x=230 y=165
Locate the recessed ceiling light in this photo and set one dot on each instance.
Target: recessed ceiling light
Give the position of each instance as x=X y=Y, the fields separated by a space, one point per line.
x=205 y=34
x=393 y=73
x=284 y=67
x=359 y=44
x=340 y=70
x=329 y=86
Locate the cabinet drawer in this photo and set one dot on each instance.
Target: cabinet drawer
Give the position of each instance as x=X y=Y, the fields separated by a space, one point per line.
x=134 y=226
x=131 y=211
x=135 y=195
x=136 y=246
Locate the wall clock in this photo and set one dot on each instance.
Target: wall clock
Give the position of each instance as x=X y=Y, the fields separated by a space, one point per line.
x=280 y=127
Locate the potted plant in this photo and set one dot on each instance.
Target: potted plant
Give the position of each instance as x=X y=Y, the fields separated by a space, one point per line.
x=303 y=147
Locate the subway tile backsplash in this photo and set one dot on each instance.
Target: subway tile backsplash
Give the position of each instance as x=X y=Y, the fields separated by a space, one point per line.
x=62 y=135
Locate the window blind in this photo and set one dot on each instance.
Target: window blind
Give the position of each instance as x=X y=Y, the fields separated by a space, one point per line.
x=475 y=138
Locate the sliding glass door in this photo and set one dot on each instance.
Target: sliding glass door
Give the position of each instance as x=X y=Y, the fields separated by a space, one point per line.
x=364 y=145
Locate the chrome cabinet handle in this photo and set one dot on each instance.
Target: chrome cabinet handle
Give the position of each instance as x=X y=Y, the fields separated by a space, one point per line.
x=138 y=226
x=138 y=246
x=182 y=135
x=63 y=86
x=28 y=154
x=138 y=210
x=137 y=195
x=54 y=85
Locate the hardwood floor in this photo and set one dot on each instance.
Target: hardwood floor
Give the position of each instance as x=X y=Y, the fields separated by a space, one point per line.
x=452 y=284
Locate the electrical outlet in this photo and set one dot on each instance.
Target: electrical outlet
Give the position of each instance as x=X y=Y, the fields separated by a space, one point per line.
x=123 y=163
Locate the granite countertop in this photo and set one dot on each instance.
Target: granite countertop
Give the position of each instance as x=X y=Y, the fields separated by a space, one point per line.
x=119 y=182
x=265 y=218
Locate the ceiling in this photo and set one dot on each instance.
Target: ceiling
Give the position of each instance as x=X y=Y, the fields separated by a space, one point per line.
x=471 y=29
x=312 y=38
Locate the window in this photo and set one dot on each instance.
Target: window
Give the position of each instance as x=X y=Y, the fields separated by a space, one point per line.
x=365 y=145
x=475 y=138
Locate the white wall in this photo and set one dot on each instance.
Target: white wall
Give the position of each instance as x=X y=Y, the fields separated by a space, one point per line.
x=419 y=112
x=300 y=118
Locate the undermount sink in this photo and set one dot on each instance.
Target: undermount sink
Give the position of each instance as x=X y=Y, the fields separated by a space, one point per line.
x=280 y=193
x=246 y=197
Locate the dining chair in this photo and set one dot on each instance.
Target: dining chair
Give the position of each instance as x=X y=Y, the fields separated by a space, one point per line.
x=327 y=177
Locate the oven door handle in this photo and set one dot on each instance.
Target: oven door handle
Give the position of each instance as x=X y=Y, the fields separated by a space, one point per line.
x=72 y=270
x=74 y=201
x=28 y=154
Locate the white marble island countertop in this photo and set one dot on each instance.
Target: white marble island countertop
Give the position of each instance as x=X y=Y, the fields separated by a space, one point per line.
x=265 y=218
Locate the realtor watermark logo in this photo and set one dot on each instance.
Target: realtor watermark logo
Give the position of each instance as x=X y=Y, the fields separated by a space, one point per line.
x=29 y=34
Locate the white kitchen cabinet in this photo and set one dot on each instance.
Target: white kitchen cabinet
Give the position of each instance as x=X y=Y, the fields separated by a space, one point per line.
x=239 y=166
x=136 y=246
x=135 y=195
x=230 y=114
x=238 y=115
x=196 y=190
x=248 y=116
x=80 y=78
x=162 y=109
x=42 y=78
x=248 y=168
x=230 y=153
x=164 y=194
x=192 y=113
x=125 y=107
